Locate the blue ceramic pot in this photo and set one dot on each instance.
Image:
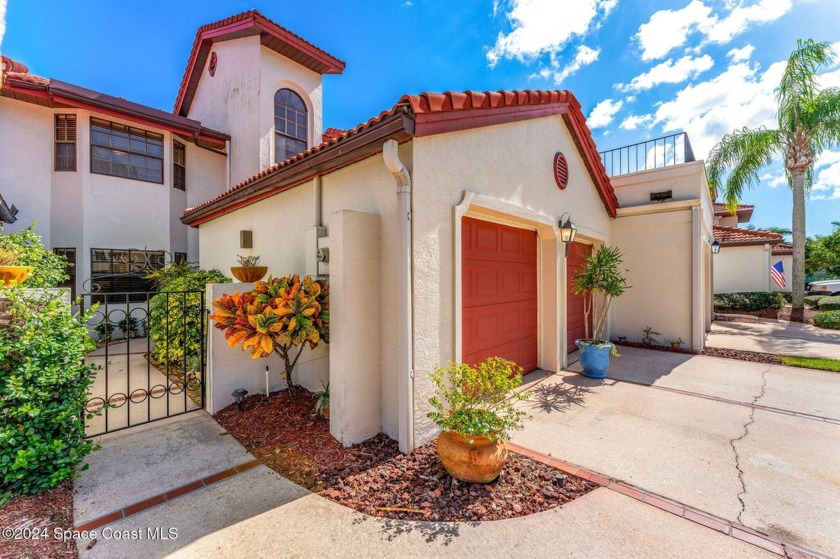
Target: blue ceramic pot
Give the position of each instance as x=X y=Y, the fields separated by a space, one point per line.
x=594 y=359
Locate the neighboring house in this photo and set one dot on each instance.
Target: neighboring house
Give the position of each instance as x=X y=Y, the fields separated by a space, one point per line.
x=107 y=179
x=747 y=255
x=441 y=221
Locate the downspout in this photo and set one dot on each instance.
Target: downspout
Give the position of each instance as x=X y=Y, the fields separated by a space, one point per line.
x=316 y=200
x=227 y=163
x=697 y=320
x=405 y=306
x=767 y=286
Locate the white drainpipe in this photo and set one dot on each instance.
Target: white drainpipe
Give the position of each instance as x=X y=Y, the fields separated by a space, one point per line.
x=405 y=308
x=316 y=195
x=227 y=163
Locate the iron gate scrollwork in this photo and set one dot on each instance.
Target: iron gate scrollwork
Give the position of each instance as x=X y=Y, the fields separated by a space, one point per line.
x=150 y=353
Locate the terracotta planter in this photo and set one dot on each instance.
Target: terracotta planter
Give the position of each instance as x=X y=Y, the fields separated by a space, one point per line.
x=478 y=462
x=17 y=274
x=325 y=413
x=249 y=274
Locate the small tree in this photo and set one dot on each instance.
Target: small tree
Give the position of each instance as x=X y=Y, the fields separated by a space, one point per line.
x=277 y=316
x=48 y=267
x=600 y=282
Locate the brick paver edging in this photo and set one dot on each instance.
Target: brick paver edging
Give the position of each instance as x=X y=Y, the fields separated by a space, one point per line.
x=732 y=529
x=163 y=497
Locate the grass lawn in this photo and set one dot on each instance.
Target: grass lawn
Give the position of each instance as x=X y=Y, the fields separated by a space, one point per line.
x=812 y=363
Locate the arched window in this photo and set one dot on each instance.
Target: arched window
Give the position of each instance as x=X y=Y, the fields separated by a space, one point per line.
x=290 y=124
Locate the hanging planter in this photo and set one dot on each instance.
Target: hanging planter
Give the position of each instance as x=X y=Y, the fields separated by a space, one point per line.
x=248 y=270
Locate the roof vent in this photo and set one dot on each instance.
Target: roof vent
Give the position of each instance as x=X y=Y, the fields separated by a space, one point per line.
x=561 y=171
x=660 y=196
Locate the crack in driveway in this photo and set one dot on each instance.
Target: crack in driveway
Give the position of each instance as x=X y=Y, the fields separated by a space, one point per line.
x=746 y=432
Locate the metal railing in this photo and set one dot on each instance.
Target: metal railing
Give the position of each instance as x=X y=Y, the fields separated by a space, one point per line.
x=651 y=154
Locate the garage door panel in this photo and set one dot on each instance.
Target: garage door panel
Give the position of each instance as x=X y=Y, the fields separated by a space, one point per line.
x=499 y=293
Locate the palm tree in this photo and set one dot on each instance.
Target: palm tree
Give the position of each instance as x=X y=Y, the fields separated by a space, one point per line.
x=808 y=123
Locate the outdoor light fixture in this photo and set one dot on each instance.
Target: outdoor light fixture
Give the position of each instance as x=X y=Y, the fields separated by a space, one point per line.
x=239 y=395
x=715 y=247
x=567 y=230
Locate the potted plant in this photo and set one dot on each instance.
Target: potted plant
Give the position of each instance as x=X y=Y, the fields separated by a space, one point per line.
x=648 y=338
x=475 y=409
x=322 y=404
x=249 y=270
x=600 y=281
x=677 y=345
x=10 y=269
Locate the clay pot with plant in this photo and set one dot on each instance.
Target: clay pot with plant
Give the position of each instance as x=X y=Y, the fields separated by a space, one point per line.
x=600 y=281
x=475 y=408
x=677 y=344
x=11 y=272
x=249 y=270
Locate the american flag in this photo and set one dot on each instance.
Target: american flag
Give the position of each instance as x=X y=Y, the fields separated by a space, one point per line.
x=777 y=272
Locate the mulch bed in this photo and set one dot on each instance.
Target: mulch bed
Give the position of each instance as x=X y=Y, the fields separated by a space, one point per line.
x=778 y=314
x=741 y=355
x=375 y=478
x=46 y=511
x=655 y=347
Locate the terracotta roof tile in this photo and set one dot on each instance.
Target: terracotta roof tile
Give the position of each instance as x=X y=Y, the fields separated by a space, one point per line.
x=736 y=236
x=783 y=248
x=720 y=208
x=426 y=103
x=10 y=65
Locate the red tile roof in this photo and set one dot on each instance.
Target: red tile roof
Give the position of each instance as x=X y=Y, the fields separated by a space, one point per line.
x=54 y=93
x=783 y=248
x=246 y=24
x=435 y=113
x=738 y=236
x=744 y=211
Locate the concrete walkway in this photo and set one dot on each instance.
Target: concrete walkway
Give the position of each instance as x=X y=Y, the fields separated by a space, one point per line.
x=752 y=443
x=776 y=336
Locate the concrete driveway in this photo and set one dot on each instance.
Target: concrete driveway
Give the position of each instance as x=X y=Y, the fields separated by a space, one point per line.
x=752 y=443
x=776 y=336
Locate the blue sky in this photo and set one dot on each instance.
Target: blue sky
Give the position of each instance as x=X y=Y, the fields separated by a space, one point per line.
x=640 y=69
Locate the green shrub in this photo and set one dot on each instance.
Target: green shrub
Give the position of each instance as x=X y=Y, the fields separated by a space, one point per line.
x=828 y=319
x=829 y=303
x=813 y=300
x=48 y=266
x=787 y=296
x=175 y=322
x=43 y=386
x=749 y=300
x=478 y=400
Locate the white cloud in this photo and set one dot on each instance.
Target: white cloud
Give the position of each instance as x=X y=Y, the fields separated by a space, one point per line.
x=670 y=72
x=603 y=113
x=743 y=95
x=634 y=121
x=743 y=53
x=2 y=20
x=774 y=180
x=583 y=57
x=669 y=29
x=827 y=181
x=544 y=27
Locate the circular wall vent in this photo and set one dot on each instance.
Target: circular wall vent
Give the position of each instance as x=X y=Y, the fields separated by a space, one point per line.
x=561 y=171
x=213 y=61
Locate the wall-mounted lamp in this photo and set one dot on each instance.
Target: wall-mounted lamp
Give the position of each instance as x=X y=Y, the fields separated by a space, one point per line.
x=567 y=230
x=715 y=247
x=323 y=255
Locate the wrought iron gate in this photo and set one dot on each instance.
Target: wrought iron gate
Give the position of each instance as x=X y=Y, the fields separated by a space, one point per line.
x=151 y=357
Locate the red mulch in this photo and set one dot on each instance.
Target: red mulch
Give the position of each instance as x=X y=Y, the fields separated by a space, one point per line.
x=743 y=355
x=45 y=511
x=373 y=477
x=654 y=347
x=779 y=314
x=743 y=319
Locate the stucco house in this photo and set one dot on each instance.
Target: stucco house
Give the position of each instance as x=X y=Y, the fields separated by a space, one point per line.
x=747 y=255
x=436 y=222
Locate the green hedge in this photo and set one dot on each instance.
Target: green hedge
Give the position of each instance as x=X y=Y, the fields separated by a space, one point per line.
x=26 y=244
x=43 y=386
x=749 y=301
x=828 y=319
x=829 y=303
x=813 y=300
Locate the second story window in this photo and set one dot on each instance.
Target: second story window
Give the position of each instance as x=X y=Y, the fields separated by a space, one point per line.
x=179 y=165
x=65 y=142
x=124 y=151
x=290 y=125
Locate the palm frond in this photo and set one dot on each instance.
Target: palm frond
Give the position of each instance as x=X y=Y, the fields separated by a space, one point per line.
x=821 y=116
x=799 y=81
x=734 y=162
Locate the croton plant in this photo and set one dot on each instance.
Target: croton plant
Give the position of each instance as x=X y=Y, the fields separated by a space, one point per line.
x=278 y=315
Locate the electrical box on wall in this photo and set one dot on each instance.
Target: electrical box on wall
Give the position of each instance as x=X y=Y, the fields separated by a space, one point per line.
x=317 y=252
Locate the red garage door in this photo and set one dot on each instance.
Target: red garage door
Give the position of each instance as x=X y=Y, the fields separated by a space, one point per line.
x=499 y=301
x=575 y=321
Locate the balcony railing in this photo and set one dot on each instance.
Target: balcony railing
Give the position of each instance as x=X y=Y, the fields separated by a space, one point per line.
x=652 y=154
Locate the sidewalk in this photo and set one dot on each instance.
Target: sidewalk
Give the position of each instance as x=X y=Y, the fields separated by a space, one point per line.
x=778 y=337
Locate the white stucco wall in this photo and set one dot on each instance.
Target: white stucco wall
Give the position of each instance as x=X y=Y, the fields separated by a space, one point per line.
x=634 y=189
x=26 y=163
x=742 y=269
x=229 y=102
x=512 y=164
